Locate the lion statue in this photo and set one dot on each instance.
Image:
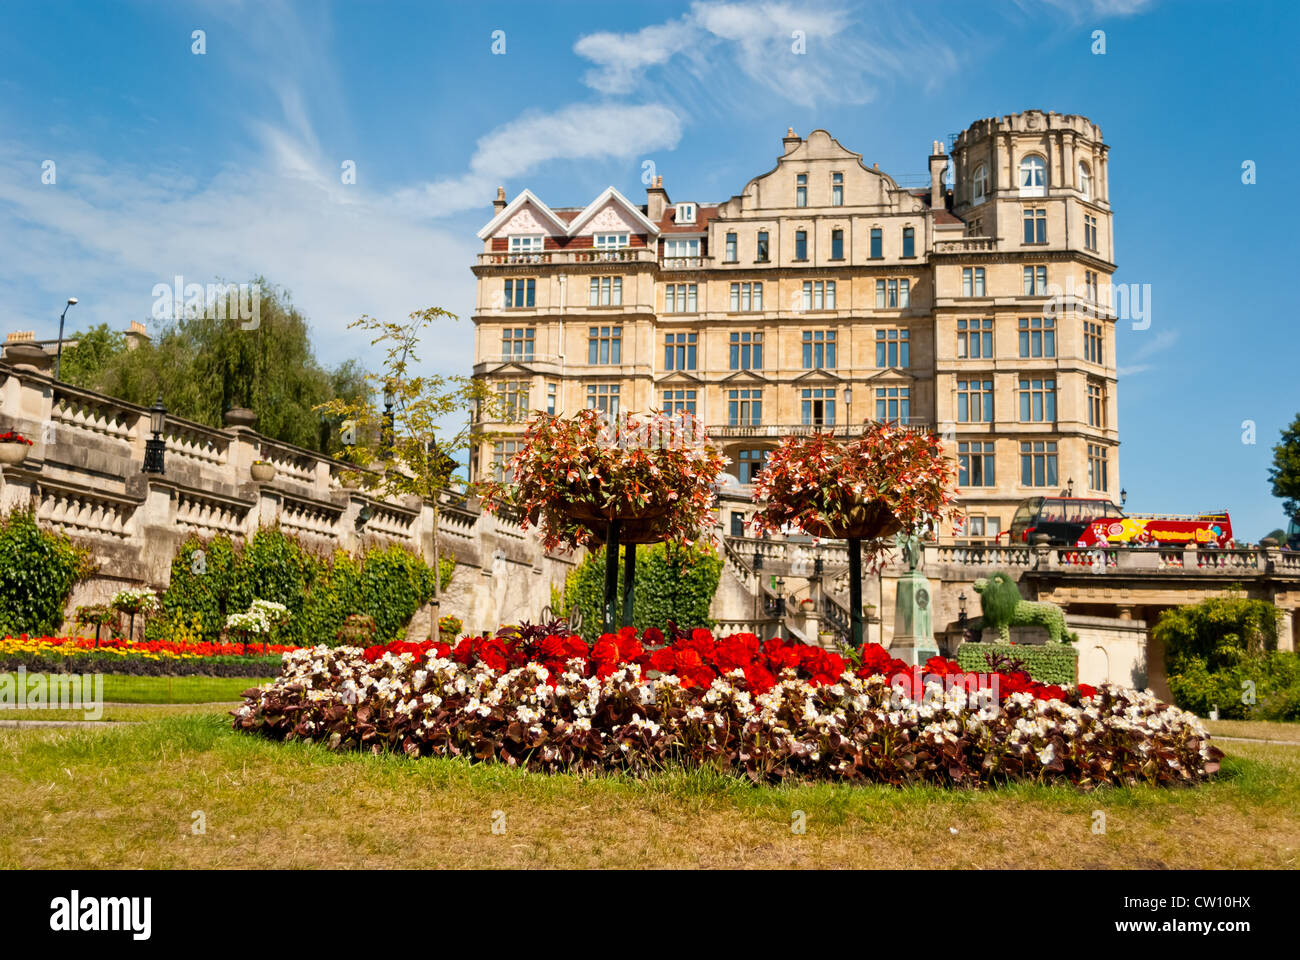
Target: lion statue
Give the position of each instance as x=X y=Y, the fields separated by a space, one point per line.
x=1004 y=608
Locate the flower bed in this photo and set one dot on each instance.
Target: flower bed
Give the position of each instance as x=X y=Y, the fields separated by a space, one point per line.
x=774 y=710
x=141 y=658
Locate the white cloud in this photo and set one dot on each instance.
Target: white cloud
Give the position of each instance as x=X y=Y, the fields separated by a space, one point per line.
x=1150 y=347
x=590 y=132
x=842 y=60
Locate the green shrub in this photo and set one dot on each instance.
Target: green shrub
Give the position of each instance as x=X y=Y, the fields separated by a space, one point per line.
x=1046 y=663
x=38 y=569
x=672 y=583
x=1260 y=688
x=213 y=578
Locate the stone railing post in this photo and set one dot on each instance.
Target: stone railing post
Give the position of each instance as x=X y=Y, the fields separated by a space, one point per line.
x=1044 y=555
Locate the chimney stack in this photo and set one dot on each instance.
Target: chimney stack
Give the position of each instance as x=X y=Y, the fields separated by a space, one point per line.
x=938 y=166
x=790 y=141
x=499 y=203
x=656 y=200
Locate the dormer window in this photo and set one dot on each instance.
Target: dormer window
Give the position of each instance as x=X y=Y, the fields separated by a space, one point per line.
x=837 y=189
x=685 y=213
x=801 y=190
x=531 y=243
x=1033 y=176
x=979 y=185
x=609 y=241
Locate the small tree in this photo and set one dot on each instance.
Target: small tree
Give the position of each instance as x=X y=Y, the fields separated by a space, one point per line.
x=587 y=479
x=1285 y=471
x=402 y=441
x=863 y=490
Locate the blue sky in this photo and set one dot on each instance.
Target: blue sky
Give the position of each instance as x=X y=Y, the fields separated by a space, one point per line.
x=227 y=164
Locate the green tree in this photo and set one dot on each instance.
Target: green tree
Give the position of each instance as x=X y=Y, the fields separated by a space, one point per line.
x=38 y=569
x=203 y=367
x=1218 y=631
x=409 y=451
x=1285 y=472
x=95 y=350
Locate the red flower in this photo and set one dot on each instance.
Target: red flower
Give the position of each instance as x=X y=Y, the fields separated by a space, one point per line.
x=1087 y=691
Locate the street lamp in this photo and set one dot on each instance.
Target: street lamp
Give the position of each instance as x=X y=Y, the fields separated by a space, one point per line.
x=1069 y=487
x=156 y=448
x=961 y=614
x=386 y=440
x=1123 y=497
x=58 y=355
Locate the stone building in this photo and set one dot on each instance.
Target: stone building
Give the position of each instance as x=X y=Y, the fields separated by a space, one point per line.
x=825 y=295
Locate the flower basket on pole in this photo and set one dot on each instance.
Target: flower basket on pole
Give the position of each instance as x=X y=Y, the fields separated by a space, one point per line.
x=863 y=491
x=590 y=479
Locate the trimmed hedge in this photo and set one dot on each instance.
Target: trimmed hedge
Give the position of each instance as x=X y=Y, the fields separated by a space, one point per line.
x=38 y=569
x=1046 y=663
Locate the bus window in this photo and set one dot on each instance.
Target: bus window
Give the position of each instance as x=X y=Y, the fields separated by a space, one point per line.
x=1053 y=511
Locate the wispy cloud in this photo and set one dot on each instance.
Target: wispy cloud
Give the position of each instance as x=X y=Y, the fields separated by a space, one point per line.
x=802 y=54
x=1151 y=347
x=587 y=132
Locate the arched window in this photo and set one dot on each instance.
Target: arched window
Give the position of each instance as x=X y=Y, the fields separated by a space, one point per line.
x=1033 y=176
x=1085 y=180
x=980 y=184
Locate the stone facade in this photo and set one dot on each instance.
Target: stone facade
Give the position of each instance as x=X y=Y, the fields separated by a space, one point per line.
x=825 y=295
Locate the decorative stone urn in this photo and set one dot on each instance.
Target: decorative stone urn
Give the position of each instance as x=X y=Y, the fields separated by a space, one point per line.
x=13 y=452
x=28 y=356
x=263 y=471
x=239 y=417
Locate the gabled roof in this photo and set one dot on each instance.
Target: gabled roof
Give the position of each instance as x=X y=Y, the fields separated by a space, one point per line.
x=513 y=206
x=818 y=374
x=611 y=194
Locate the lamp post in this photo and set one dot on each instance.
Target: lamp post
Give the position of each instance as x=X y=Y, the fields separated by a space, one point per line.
x=58 y=353
x=386 y=440
x=1069 y=487
x=156 y=447
x=1123 y=497
x=848 y=416
x=961 y=614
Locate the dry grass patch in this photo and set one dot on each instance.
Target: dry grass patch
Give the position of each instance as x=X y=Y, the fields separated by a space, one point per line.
x=123 y=797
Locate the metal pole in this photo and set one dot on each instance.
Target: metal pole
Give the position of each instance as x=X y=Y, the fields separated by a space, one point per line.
x=611 y=576
x=855 y=589
x=629 y=575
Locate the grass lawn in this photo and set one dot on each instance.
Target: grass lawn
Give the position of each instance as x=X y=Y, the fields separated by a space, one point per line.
x=119 y=688
x=124 y=712
x=1255 y=729
x=123 y=796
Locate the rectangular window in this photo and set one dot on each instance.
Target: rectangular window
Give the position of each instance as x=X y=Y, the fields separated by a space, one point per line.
x=1038 y=463
x=552 y=399
x=513 y=396
x=1037 y=400
x=1098 y=467
x=909 y=242
x=605 y=345
x=762 y=247
x=529 y=244
x=521 y=293
x=603 y=397
x=679 y=402
x=801 y=244
x=891 y=348
x=819 y=295
x=609 y=241
x=679 y=351
x=1096 y=405
x=748 y=465
x=975 y=464
x=1090 y=231
x=731 y=248
x=817 y=407
x=681 y=248
x=744 y=408
x=972 y=281
x=517 y=342
x=1092 y=342
x=1037 y=336
x=746 y=296
x=1035 y=281
x=1035 y=226
x=877 y=244
x=502 y=454
x=975 y=339
x=605 y=292
x=819 y=349
x=974 y=401
x=1090 y=285
x=893 y=403
x=837 y=189
x=681 y=298
x=801 y=190
x=746 y=351
x=837 y=244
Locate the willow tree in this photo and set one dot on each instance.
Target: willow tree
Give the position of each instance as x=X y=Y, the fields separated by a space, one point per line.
x=408 y=446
